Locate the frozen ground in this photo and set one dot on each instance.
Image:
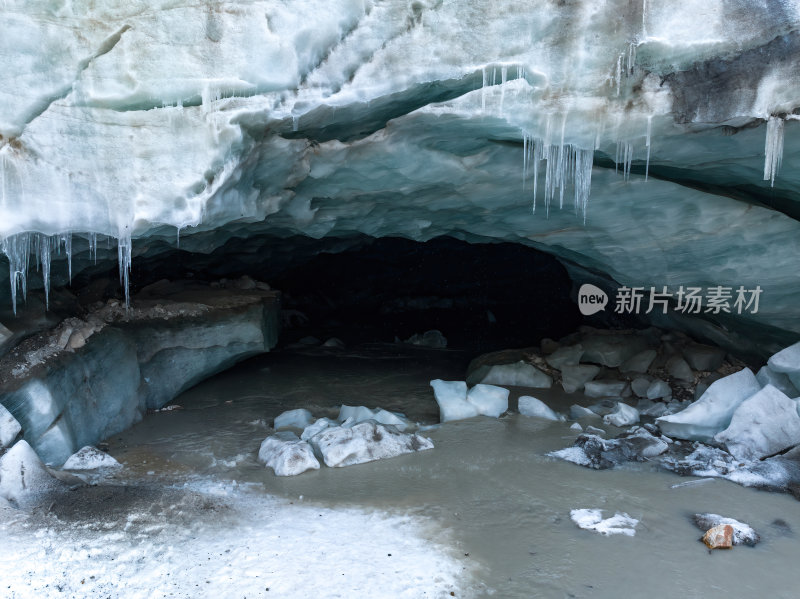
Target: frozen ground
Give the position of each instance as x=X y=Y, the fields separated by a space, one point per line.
x=221 y=541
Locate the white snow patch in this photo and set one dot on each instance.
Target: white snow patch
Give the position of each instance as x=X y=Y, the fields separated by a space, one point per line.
x=90 y=458
x=592 y=519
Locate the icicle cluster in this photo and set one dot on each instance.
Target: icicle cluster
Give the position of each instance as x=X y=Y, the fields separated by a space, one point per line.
x=19 y=248
x=773 y=149
x=565 y=164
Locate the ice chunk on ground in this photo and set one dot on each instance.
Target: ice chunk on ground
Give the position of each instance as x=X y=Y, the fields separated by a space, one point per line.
x=611 y=350
x=90 y=458
x=604 y=388
x=640 y=362
x=743 y=534
x=658 y=389
x=334 y=342
x=705 y=383
x=787 y=360
x=489 y=399
x=576 y=412
x=762 y=425
x=351 y=415
x=712 y=413
x=679 y=369
x=320 y=425
x=637 y=445
x=703 y=357
x=9 y=428
x=299 y=418
x=536 y=408
x=618 y=524
x=5 y=334
x=452 y=399
x=640 y=385
x=23 y=476
x=365 y=442
x=779 y=380
x=433 y=339
x=576 y=427
x=623 y=415
x=287 y=455
x=519 y=374
x=654 y=409
x=568 y=355
x=574 y=377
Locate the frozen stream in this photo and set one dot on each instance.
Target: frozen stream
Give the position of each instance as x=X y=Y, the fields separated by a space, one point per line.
x=485 y=513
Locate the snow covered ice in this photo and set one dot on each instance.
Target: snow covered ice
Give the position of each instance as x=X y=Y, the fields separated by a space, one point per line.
x=9 y=428
x=592 y=519
x=287 y=455
x=90 y=458
x=365 y=442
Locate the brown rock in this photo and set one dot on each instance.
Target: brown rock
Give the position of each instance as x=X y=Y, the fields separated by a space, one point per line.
x=719 y=537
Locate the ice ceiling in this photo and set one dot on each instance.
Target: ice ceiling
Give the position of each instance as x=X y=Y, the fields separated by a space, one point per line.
x=648 y=135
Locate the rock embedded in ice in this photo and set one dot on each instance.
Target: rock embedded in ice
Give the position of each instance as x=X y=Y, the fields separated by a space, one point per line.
x=569 y=355
x=287 y=454
x=623 y=415
x=604 y=388
x=299 y=418
x=365 y=442
x=452 y=399
x=779 y=380
x=90 y=458
x=591 y=519
x=535 y=408
x=719 y=537
x=319 y=425
x=23 y=476
x=433 y=339
x=574 y=377
x=763 y=425
x=489 y=400
x=519 y=374
x=703 y=357
x=636 y=445
x=679 y=369
x=9 y=428
x=712 y=413
x=611 y=349
x=743 y=534
x=639 y=362
x=640 y=385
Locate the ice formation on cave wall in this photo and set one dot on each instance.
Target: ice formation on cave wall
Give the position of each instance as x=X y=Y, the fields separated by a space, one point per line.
x=402 y=118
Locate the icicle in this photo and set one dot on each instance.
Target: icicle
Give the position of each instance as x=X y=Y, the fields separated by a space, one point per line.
x=583 y=179
x=17 y=249
x=647 y=143
x=178 y=237
x=45 y=247
x=68 y=250
x=619 y=72
x=124 y=253
x=773 y=149
x=93 y=246
x=503 y=75
x=483 y=91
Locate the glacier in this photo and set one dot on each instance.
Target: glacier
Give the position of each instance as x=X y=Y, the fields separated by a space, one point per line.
x=648 y=143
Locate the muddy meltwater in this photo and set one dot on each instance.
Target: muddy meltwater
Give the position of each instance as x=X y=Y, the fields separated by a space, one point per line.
x=485 y=513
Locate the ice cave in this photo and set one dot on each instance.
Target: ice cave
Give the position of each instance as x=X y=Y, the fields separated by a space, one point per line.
x=399 y=298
